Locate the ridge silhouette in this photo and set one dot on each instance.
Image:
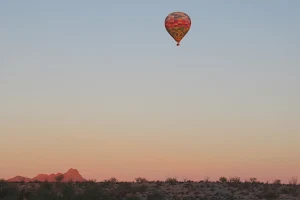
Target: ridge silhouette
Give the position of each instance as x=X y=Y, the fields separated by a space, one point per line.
x=70 y=175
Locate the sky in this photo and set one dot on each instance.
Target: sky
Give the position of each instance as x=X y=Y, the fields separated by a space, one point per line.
x=101 y=86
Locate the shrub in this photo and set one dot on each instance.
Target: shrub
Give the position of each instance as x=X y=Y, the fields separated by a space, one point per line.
x=284 y=190
x=253 y=180
x=67 y=191
x=94 y=192
x=123 y=189
x=141 y=180
x=140 y=188
x=206 y=179
x=171 y=181
x=46 y=185
x=277 y=182
x=155 y=196
x=293 y=181
x=8 y=190
x=223 y=179
x=271 y=194
x=112 y=180
x=246 y=185
x=132 y=198
x=235 y=180
x=44 y=194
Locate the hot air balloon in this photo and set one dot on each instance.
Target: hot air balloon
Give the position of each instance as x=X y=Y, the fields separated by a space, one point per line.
x=178 y=25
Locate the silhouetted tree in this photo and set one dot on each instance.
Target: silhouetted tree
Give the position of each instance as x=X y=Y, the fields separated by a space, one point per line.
x=277 y=182
x=223 y=179
x=59 y=178
x=253 y=180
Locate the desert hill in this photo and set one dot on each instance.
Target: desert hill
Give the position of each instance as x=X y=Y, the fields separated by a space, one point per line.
x=70 y=175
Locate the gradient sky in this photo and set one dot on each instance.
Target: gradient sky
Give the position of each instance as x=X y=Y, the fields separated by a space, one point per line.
x=100 y=86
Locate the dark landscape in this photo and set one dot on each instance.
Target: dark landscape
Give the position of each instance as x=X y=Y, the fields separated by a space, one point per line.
x=72 y=186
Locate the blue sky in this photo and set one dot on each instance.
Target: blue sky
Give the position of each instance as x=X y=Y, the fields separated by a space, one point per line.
x=68 y=67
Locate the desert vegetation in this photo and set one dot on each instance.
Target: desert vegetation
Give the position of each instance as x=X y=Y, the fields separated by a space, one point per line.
x=142 y=189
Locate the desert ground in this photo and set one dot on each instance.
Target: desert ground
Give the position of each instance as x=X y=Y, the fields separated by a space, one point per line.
x=141 y=189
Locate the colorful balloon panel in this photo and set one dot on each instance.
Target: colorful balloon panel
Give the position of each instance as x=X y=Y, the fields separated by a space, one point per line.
x=178 y=24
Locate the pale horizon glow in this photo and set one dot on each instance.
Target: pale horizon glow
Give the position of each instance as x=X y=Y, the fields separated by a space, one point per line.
x=103 y=88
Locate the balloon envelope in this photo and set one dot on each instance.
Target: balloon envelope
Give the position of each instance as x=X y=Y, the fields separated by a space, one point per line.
x=178 y=25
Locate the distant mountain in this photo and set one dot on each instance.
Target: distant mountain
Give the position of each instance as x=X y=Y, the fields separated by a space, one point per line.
x=70 y=175
x=19 y=179
x=73 y=175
